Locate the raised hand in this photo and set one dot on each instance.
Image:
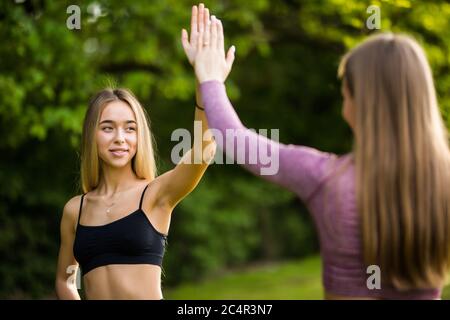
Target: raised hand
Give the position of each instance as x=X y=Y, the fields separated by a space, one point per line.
x=210 y=62
x=199 y=19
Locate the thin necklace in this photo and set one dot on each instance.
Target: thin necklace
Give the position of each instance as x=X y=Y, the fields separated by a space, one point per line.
x=108 y=207
x=108 y=210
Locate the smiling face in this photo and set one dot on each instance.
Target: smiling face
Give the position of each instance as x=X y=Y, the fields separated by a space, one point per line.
x=116 y=134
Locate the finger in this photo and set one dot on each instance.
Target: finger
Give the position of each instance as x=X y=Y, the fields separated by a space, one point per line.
x=200 y=19
x=184 y=39
x=206 y=17
x=194 y=27
x=213 y=32
x=220 y=40
x=230 y=56
x=207 y=35
x=200 y=41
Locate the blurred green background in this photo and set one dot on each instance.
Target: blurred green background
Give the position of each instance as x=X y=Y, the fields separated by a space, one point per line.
x=235 y=236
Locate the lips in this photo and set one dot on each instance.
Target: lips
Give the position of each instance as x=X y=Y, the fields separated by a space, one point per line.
x=119 y=152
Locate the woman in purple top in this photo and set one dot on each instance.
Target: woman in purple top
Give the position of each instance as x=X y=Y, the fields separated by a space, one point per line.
x=382 y=211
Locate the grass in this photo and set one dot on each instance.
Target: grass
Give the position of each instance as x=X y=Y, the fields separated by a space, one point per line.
x=294 y=280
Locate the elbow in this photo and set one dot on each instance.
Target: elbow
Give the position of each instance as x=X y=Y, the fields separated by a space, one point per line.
x=209 y=152
x=205 y=154
x=65 y=291
x=60 y=289
x=58 y=292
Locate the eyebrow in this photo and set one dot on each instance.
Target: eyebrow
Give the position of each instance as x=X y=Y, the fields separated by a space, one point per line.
x=110 y=121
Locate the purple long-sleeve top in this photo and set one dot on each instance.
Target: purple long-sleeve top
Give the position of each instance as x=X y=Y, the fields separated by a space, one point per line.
x=325 y=182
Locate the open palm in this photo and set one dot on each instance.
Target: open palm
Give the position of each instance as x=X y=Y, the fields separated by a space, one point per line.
x=211 y=63
x=199 y=19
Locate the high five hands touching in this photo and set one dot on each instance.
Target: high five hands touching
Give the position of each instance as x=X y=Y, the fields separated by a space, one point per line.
x=205 y=50
x=199 y=19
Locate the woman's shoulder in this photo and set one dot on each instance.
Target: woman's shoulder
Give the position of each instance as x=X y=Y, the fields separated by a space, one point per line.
x=72 y=207
x=69 y=217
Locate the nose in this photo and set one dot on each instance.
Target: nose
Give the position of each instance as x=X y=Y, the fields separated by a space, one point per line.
x=120 y=136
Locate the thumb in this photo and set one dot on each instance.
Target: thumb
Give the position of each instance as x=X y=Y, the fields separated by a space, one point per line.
x=184 y=39
x=230 y=56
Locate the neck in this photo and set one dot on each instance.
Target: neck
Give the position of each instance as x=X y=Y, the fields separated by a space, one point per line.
x=115 y=180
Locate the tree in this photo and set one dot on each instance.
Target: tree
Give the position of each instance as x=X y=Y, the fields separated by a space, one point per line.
x=284 y=77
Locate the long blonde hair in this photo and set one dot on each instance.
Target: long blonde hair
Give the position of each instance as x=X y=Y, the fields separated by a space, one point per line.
x=143 y=163
x=402 y=161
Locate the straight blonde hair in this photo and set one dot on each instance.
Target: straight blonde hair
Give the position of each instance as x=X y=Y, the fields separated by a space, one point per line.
x=143 y=163
x=402 y=161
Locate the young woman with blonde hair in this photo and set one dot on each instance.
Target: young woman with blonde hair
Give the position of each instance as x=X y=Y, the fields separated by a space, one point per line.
x=116 y=231
x=386 y=203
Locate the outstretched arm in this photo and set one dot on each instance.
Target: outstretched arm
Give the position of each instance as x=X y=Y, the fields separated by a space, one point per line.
x=298 y=168
x=179 y=182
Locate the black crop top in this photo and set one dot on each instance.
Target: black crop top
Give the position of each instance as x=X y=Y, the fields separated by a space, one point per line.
x=128 y=240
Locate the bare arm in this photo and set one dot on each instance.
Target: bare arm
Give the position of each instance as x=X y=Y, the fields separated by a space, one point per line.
x=174 y=185
x=180 y=181
x=66 y=272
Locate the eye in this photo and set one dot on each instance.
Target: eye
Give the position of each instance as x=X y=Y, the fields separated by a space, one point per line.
x=131 y=129
x=107 y=129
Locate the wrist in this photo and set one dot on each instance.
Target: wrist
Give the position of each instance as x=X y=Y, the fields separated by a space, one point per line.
x=202 y=80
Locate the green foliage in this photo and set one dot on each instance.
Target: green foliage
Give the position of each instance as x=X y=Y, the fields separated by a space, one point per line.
x=284 y=77
x=293 y=280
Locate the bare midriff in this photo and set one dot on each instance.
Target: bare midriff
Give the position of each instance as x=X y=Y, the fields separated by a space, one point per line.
x=123 y=282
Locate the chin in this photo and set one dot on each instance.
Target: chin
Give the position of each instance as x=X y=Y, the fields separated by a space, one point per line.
x=116 y=163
